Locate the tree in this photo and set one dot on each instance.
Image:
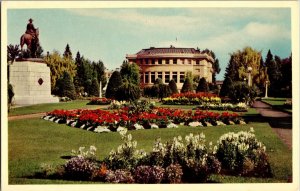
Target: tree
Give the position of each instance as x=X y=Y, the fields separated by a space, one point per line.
x=13 y=52
x=202 y=86
x=65 y=86
x=67 y=53
x=286 y=78
x=237 y=69
x=274 y=73
x=241 y=92
x=173 y=87
x=94 y=90
x=187 y=85
x=128 y=91
x=130 y=72
x=58 y=65
x=100 y=69
x=114 y=83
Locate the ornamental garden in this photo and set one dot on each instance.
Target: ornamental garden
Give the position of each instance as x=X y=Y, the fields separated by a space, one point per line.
x=144 y=135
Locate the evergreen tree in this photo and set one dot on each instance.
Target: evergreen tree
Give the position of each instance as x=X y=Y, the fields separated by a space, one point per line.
x=67 y=53
x=274 y=73
x=173 y=87
x=187 y=85
x=65 y=86
x=94 y=90
x=100 y=69
x=202 y=86
x=114 y=83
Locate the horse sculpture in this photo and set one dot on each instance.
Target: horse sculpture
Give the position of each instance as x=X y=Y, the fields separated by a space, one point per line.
x=31 y=41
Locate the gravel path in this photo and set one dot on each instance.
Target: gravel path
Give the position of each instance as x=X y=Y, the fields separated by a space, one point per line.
x=280 y=122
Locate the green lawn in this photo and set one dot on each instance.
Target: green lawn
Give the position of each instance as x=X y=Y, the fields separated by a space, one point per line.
x=52 y=106
x=36 y=141
x=277 y=103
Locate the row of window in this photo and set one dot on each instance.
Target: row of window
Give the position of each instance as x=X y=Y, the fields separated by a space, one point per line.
x=166 y=61
x=150 y=77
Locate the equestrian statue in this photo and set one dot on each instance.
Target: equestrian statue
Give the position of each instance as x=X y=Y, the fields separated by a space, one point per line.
x=31 y=39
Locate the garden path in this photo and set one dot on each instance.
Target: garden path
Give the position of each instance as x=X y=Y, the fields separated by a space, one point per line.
x=281 y=122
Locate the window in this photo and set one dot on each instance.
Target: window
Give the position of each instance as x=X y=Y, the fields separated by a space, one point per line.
x=174 y=61
x=167 y=77
x=153 y=61
x=145 y=61
x=182 y=76
x=146 y=78
x=167 y=61
x=197 y=62
x=174 y=76
x=159 y=61
x=142 y=77
x=189 y=61
x=159 y=75
x=182 y=61
x=152 y=77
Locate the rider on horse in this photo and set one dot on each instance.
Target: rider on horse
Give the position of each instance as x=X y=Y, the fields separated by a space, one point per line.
x=30 y=29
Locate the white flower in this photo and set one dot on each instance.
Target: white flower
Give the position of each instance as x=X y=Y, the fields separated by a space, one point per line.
x=195 y=124
x=172 y=125
x=129 y=137
x=138 y=126
x=121 y=129
x=251 y=130
x=154 y=126
x=101 y=129
x=123 y=132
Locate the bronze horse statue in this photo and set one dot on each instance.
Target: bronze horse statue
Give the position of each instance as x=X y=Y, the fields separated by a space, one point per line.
x=31 y=41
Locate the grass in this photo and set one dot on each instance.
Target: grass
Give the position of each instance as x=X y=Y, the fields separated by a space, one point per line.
x=277 y=103
x=36 y=141
x=52 y=106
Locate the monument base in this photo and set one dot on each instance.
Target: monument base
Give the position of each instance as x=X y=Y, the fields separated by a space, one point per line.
x=31 y=83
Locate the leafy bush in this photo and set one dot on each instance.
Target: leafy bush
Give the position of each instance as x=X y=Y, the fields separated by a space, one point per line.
x=126 y=156
x=241 y=153
x=202 y=86
x=100 y=101
x=187 y=86
x=173 y=173
x=128 y=91
x=115 y=81
x=94 y=88
x=82 y=166
x=173 y=87
x=119 y=176
x=149 y=174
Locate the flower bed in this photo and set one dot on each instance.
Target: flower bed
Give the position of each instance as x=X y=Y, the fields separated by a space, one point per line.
x=100 y=101
x=106 y=121
x=180 y=160
x=240 y=107
x=190 y=98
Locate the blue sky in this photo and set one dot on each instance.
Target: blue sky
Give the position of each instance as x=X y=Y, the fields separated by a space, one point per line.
x=109 y=34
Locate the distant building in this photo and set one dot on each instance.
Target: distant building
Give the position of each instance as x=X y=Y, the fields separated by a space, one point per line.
x=171 y=63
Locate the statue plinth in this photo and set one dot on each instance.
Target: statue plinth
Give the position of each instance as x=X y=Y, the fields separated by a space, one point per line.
x=31 y=82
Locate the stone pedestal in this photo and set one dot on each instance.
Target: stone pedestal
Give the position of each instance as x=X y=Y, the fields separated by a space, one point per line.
x=31 y=83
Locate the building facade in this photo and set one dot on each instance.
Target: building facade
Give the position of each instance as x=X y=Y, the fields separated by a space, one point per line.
x=171 y=63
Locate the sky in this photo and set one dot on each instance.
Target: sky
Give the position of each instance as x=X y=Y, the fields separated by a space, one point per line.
x=108 y=34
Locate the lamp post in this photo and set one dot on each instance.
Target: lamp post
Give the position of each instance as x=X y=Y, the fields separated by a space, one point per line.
x=266 y=92
x=249 y=69
x=100 y=89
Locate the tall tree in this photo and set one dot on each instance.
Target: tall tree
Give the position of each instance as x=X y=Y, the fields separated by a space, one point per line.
x=65 y=86
x=274 y=73
x=237 y=69
x=58 y=65
x=131 y=72
x=68 y=53
x=100 y=69
x=115 y=81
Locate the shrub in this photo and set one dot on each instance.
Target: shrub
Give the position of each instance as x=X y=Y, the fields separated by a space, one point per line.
x=202 y=86
x=128 y=92
x=82 y=166
x=241 y=153
x=65 y=87
x=114 y=83
x=173 y=87
x=119 y=176
x=126 y=156
x=149 y=174
x=187 y=86
x=173 y=173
